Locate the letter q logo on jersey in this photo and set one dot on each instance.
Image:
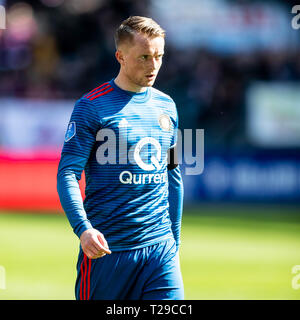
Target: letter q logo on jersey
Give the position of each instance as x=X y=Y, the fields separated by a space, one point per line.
x=154 y=159
x=127 y=177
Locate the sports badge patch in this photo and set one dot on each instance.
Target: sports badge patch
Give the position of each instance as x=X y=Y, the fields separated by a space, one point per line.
x=165 y=122
x=71 y=131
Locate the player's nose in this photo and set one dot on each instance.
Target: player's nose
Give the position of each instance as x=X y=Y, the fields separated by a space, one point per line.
x=153 y=64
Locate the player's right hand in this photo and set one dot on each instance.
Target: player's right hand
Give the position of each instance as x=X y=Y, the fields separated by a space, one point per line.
x=94 y=244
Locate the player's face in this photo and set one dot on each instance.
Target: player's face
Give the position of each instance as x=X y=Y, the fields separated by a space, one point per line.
x=142 y=59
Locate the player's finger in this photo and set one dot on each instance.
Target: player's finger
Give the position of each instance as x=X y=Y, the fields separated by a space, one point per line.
x=98 y=246
x=99 y=255
x=98 y=249
x=106 y=250
x=92 y=252
x=89 y=254
x=103 y=243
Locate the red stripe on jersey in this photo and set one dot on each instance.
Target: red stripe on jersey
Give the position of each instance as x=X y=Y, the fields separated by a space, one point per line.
x=102 y=94
x=81 y=280
x=89 y=280
x=102 y=89
x=84 y=281
x=96 y=89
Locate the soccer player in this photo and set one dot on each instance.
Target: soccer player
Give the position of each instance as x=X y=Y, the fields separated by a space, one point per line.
x=123 y=134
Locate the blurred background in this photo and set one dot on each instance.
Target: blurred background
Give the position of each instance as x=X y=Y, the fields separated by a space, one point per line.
x=233 y=69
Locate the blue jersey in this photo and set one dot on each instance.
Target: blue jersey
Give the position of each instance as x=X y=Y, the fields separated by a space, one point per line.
x=123 y=139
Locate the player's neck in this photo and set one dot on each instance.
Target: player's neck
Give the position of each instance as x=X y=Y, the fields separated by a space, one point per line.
x=123 y=83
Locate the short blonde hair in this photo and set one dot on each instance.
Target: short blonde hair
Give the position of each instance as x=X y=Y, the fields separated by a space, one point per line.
x=137 y=24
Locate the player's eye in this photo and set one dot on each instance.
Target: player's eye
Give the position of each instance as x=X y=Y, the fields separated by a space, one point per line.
x=144 y=57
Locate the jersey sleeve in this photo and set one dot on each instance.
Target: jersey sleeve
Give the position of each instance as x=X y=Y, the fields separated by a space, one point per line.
x=82 y=129
x=175 y=128
x=176 y=190
x=79 y=141
x=69 y=172
x=176 y=193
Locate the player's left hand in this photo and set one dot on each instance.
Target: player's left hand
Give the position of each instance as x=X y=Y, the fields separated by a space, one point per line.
x=94 y=244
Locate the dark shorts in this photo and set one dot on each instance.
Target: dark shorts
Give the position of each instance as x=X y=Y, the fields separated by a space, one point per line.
x=149 y=273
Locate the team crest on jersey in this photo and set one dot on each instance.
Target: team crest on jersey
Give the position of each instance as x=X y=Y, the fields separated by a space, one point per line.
x=123 y=123
x=165 y=122
x=71 y=131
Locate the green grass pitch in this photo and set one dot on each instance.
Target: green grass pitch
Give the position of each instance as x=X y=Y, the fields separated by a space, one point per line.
x=227 y=252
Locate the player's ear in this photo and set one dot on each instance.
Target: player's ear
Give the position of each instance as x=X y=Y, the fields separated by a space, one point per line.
x=119 y=56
